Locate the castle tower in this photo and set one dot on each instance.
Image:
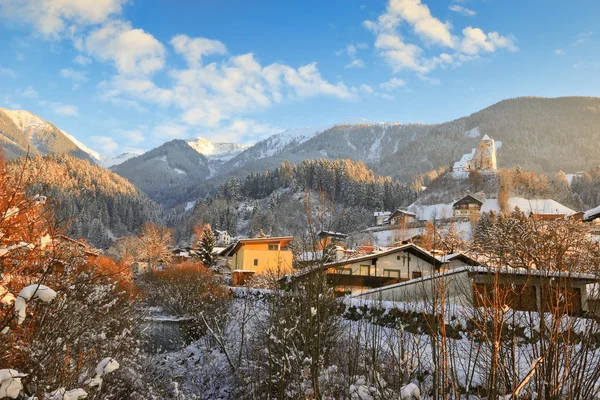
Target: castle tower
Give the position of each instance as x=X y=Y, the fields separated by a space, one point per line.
x=485 y=155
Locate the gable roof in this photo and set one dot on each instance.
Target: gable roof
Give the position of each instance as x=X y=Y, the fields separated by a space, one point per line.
x=410 y=248
x=592 y=214
x=399 y=211
x=467 y=198
x=486 y=137
x=283 y=241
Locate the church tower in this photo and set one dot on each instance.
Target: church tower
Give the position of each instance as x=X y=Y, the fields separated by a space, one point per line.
x=485 y=155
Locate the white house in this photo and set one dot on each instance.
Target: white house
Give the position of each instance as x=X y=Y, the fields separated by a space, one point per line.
x=223 y=238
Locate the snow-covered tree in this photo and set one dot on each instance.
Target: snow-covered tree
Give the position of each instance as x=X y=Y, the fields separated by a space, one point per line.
x=206 y=246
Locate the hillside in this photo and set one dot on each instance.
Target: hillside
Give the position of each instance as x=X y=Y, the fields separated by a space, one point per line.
x=169 y=174
x=98 y=204
x=541 y=134
x=22 y=132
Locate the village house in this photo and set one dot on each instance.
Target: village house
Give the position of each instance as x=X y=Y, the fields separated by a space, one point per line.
x=262 y=255
x=476 y=286
x=467 y=207
x=374 y=270
x=326 y=238
x=401 y=217
x=381 y=217
x=223 y=238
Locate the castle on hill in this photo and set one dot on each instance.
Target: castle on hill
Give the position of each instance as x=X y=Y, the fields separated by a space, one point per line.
x=482 y=158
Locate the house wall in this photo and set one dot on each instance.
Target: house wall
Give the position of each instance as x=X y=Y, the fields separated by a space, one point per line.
x=268 y=260
x=457 y=288
x=394 y=262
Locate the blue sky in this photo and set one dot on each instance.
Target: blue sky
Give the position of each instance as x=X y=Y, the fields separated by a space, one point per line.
x=128 y=75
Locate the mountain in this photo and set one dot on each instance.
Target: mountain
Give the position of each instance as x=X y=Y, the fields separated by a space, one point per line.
x=216 y=153
x=22 y=132
x=357 y=139
x=107 y=161
x=541 y=134
x=545 y=135
x=98 y=204
x=168 y=173
x=216 y=150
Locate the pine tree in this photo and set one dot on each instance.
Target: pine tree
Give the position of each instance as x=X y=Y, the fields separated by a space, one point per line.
x=207 y=244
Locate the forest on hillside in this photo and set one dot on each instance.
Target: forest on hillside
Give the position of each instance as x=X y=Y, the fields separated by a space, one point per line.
x=89 y=201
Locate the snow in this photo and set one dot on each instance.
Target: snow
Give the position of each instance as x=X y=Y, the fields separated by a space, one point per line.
x=42 y=292
x=189 y=205
x=83 y=147
x=180 y=171
x=106 y=366
x=410 y=392
x=432 y=212
x=24 y=119
x=223 y=151
x=473 y=133
x=107 y=161
x=528 y=206
x=10 y=383
x=590 y=213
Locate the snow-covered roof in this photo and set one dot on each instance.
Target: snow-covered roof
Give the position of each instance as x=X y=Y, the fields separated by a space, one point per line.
x=592 y=214
x=382 y=213
x=484 y=270
x=486 y=137
x=529 y=206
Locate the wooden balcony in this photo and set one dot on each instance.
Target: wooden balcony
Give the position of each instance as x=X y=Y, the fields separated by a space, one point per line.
x=362 y=280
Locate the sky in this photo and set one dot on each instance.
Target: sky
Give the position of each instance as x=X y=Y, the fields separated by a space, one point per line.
x=128 y=75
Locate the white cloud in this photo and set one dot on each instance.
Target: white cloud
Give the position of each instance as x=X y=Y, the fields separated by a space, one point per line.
x=351 y=50
x=133 y=51
x=82 y=60
x=60 y=108
x=392 y=84
x=11 y=73
x=582 y=38
x=475 y=41
x=355 y=64
x=133 y=136
x=559 y=52
x=366 y=89
x=51 y=17
x=30 y=93
x=214 y=94
x=75 y=76
x=170 y=131
x=423 y=23
x=246 y=131
x=433 y=33
x=462 y=10
x=194 y=49
x=104 y=143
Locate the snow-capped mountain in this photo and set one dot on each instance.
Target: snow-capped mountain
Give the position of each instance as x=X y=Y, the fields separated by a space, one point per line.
x=223 y=151
x=107 y=161
x=22 y=132
x=168 y=173
x=102 y=160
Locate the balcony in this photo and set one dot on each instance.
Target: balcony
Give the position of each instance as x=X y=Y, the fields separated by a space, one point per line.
x=362 y=280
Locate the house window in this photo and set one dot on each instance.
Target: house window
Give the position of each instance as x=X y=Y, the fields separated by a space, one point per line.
x=364 y=269
x=344 y=271
x=391 y=273
x=274 y=247
x=256 y=262
x=417 y=274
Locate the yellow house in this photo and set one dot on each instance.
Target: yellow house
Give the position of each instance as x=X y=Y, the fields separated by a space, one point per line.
x=261 y=255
